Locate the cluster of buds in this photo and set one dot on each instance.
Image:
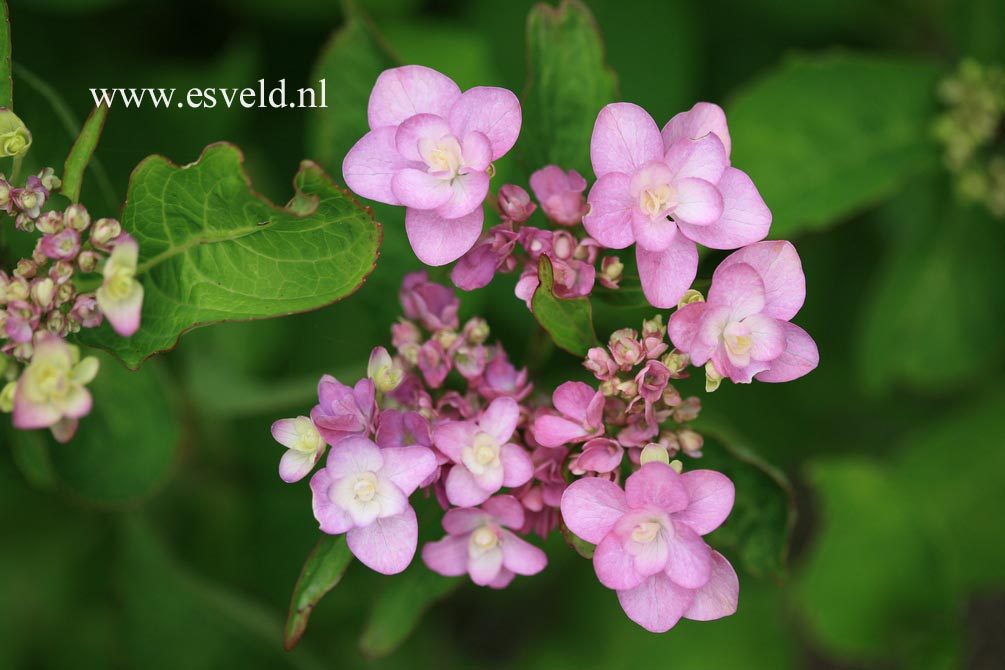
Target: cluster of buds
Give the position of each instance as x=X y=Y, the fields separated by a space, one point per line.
x=511 y=245
x=971 y=132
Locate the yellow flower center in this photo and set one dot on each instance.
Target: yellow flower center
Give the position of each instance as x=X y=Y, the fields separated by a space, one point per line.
x=656 y=200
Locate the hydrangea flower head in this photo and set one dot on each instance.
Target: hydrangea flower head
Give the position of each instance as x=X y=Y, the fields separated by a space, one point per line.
x=649 y=542
x=666 y=192
x=743 y=328
x=363 y=491
x=480 y=542
x=429 y=149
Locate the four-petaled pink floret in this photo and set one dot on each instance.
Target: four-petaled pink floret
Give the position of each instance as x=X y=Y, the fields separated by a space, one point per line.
x=582 y=416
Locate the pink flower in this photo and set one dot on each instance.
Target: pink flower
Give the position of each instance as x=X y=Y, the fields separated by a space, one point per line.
x=542 y=495
x=626 y=349
x=52 y=390
x=665 y=193
x=434 y=363
x=514 y=203
x=480 y=542
x=22 y=320
x=600 y=364
x=85 y=311
x=502 y=379
x=343 y=411
x=476 y=268
x=120 y=296
x=743 y=328
x=30 y=198
x=304 y=447
x=560 y=194
x=363 y=491
x=429 y=149
x=652 y=380
x=649 y=542
x=433 y=305
x=600 y=455
x=64 y=245
x=582 y=416
x=485 y=460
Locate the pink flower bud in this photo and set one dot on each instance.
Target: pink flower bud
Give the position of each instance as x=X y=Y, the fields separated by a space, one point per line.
x=49 y=179
x=49 y=223
x=76 y=217
x=690 y=442
x=600 y=364
x=88 y=261
x=476 y=330
x=611 y=271
x=63 y=245
x=85 y=311
x=626 y=348
x=103 y=232
x=26 y=268
x=652 y=380
x=515 y=203
x=563 y=245
x=404 y=333
x=61 y=271
x=433 y=305
x=560 y=194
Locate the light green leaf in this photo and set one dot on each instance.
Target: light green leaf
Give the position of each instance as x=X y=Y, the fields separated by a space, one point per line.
x=126 y=447
x=569 y=322
x=212 y=250
x=400 y=606
x=81 y=153
x=568 y=84
x=824 y=136
x=321 y=573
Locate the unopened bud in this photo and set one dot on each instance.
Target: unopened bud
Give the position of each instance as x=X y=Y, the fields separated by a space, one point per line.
x=611 y=271
x=654 y=453
x=690 y=297
x=26 y=268
x=49 y=222
x=712 y=377
x=56 y=323
x=88 y=261
x=476 y=330
x=381 y=369
x=654 y=327
x=7 y=398
x=76 y=217
x=49 y=179
x=15 y=138
x=515 y=203
x=104 y=231
x=43 y=291
x=690 y=442
x=61 y=271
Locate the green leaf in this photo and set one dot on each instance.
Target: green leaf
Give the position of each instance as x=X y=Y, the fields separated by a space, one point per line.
x=321 y=573
x=568 y=84
x=125 y=449
x=825 y=136
x=578 y=544
x=213 y=250
x=81 y=153
x=30 y=452
x=349 y=63
x=400 y=606
x=6 y=82
x=569 y=322
x=759 y=528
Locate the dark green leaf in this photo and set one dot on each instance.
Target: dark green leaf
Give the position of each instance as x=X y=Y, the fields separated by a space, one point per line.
x=212 y=250
x=569 y=322
x=568 y=83
x=824 y=136
x=400 y=606
x=321 y=573
x=126 y=447
x=81 y=153
x=30 y=451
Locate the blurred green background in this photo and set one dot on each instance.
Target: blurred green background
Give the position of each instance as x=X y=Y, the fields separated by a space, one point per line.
x=178 y=546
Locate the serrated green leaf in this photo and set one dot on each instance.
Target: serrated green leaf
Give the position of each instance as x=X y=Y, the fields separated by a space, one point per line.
x=400 y=606
x=824 y=136
x=126 y=447
x=322 y=571
x=568 y=84
x=81 y=153
x=569 y=322
x=212 y=250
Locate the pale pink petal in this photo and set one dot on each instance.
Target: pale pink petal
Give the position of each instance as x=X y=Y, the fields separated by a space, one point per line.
x=667 y=275
x=438 y=241
x=462 y=488
x=123 y=314
x=371 y=164
x=745 y=218
x=614 y=566
x=502 y=580
x=624 y=138
x=684 y=325
x=285 y=433
x=651 y=557
x=739 y=288
x=420 y=127
x=656 y=484
x=652 y=234
x=392 y=499
x=708 y=340
x=656 y=604
x=77 y=404
x=591 y=507
x=387 y=545
x=409 y=90
x=711 y=494
x=719 y=596
x=332 y=518
x=461 y=520
x=609 y=220
x=353 y=455
x=419 y=189
x=689 y=559
x=494 y=112
x=500 y=418
x=506 y=510
x=700 y=120
x=573 y=398
x=555 y=431
x=447 y=557
x=698 y=202
x=408 y=467
x=517 y=466
x=767 y=337
x=779 y=267
x=520 y=556
x=294 y=465
x=477 y=152
x=704 y=158
x=485 y=567
x=452 y=437
x=468 y=192
x=800 y=357
x=28 y=415
x=491 y=478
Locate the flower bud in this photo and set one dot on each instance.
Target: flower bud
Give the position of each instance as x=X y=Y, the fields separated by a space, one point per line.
x=625 y=348
x=381 y=369
x=476 y=330
x=88 y=261
x=687 y=410
x=15 y=138
x=49 y=179
x=514 y=203
x=690 y=442
x=654 y=453
x=600 y=364
x=76 y=217
x=49 y=222
x=654 y=327
x=676 y=361
x=26 y=268
x=690 y=297
x=24 y=222
x=56 y=323
x=677 y=465
x=61 y=271
x=563 y=244
x=712 y=377
x=104 y=231
x=65 y=293
x=43 y=292
x=7 y=398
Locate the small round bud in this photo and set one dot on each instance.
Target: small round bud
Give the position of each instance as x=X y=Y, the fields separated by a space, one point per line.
x=65 y=293
x=49 y=179
x=43 y=292
x=7 y=398
x=690 y=297
x=15 y=138
x=76 y=217
x=26 y=268
x=61 y=271
x=515 y=203
x=104 y=231
x=88 y=261
x=654 y=453
x=56 y=323
x=49 y=222
x=690 y=442
x=476 y=330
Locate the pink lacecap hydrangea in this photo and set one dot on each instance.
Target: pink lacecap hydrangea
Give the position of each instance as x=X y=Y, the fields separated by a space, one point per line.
x=743 y=328
x=649 y=542
x=665 y=192
x=481 y=542
x=429 y=149
x=363 y=492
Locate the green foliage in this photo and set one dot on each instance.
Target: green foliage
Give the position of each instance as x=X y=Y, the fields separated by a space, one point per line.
x=568 y=83
x=569 y=322
x=81 y=153
x=825 y=136
x=322 y=572
x=6 y=82
x=213 y=250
